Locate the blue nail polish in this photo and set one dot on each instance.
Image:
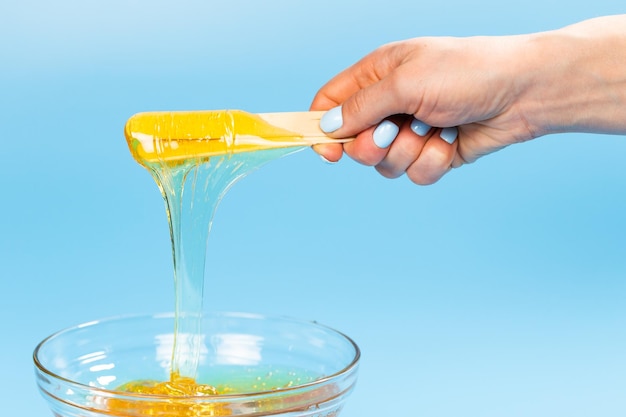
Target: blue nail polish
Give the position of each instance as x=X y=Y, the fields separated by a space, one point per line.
x=419 y=128
x=331 y=120
x=449 y=134
x=385 y=133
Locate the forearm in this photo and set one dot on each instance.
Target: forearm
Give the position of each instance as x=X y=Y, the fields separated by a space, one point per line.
x=574 y=79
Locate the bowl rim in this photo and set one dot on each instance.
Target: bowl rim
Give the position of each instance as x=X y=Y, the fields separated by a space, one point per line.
x=346 y=370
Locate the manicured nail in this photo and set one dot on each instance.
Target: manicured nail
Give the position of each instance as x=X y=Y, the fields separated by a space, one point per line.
x=331 y=120
x=449 y=134
x=420 y=128
x=326 y=160
x=385 y=133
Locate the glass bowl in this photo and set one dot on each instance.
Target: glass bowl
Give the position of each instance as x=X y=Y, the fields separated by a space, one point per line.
x=272 y=365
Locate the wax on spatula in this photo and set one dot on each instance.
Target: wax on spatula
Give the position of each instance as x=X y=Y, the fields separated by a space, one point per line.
x=170 y=137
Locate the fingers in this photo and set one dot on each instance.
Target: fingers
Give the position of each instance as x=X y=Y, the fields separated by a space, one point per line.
x=397 y=145
x=425 y=154
x=405 y=150
x=329 y=152
x=367 y=92
x=436 y=157
x=372 y=145
x=370 y=100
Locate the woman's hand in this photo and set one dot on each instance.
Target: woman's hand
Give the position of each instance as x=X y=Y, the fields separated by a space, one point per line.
x=479 y=94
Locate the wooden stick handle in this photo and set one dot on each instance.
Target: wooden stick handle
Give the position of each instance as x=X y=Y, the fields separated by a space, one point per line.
x=305 y=123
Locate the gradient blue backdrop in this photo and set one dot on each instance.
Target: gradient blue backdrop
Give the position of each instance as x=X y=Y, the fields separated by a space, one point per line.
x=499 y=291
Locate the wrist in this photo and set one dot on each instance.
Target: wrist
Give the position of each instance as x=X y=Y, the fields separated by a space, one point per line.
x=574 y=79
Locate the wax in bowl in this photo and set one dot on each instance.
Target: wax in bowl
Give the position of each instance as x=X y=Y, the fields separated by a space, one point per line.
x=258 y=365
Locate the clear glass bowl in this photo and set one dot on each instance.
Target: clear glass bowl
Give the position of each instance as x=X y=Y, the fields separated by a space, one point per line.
x=279 y=366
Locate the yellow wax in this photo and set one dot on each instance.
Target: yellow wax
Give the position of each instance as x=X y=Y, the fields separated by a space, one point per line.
x=178 y=389
x=172 y=137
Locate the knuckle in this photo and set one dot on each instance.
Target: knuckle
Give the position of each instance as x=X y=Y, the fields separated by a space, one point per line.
x=388 y=172
x=432 y=164
x=358 y=103
x=440 y=158
x=410 y=147
x=416 y=177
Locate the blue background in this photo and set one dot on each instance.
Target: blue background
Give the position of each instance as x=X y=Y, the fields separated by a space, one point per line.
x=498 y=291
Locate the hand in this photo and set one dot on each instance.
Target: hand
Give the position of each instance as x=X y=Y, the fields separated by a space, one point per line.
x=480 y=94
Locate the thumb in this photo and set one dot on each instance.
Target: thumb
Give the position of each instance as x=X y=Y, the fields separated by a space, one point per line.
x=366 y=108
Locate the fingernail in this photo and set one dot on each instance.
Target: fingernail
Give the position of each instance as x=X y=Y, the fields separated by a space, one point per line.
x=385 y=133
x=420 y=128
x=326 y=160
x=449 y=134
x=331 y=120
